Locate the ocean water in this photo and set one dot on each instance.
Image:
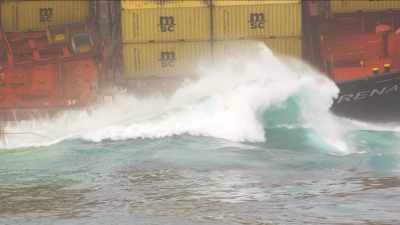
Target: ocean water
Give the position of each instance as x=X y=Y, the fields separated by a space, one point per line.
x=252 y=141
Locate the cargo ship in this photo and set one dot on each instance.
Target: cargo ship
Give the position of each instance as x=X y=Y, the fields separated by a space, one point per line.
x=44 y=68
x=40 y=76
x=48 y=64
x=357 y=43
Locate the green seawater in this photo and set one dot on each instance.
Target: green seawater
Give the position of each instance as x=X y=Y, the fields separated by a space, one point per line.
x=243 y=145
x=186 y=179
x=199 y=180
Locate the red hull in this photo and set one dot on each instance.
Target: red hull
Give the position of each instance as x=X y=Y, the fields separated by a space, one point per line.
x=38 y=75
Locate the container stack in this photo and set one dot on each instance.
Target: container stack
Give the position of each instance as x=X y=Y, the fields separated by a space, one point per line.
x=23 y=16
x=164 y=38
x=167 y=38
x=275 y=22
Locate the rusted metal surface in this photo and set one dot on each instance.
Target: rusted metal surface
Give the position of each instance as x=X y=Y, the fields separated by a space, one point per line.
x=35 y=74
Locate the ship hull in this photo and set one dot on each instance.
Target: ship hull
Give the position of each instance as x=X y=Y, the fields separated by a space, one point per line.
x=373 y=99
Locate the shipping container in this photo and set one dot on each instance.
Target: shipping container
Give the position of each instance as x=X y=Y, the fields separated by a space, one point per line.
x=164 y=59
x=21 y=16
x=280 y=46
x=160 y=21
x=240 y=19
x=151 y=4
x=350 y=6
x=286 y=46
x=8 y=19
x=154 y=85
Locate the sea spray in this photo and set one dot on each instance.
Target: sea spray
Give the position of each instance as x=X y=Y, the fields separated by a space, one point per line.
x=122 y=110
x=315 y=101
x=226 y=102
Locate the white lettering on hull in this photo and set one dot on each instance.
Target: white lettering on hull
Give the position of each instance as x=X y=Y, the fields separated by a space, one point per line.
x=378 y=92
x=365 y=94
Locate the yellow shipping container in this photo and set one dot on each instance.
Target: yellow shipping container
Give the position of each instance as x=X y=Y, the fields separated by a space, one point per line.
x=286 y=46
x=349 y=6
x=158 y=21
x=164 y=59
x=291 y=46
x=8 y=18
x=38 y=15
x=241 y=19
x=151 y=4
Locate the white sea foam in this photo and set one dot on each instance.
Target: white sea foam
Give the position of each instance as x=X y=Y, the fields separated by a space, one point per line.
x=225 y=102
